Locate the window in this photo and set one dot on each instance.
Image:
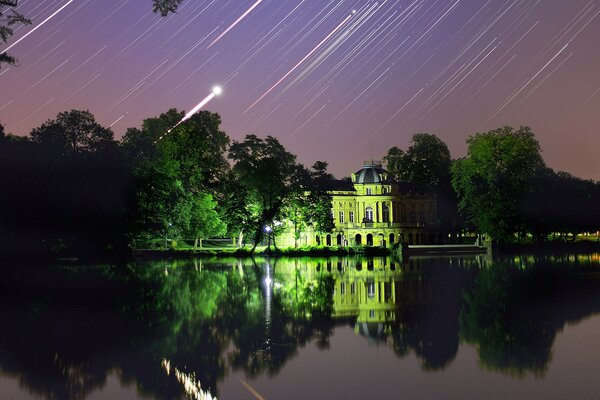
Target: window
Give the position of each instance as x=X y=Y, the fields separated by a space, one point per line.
x=385 y=212
x=371 y=289
x=351 y=216
x=371 y=313
x=384 y=190
x=369 y=214
x=342 y=288
x=413 y=216
x=352 y=288
x=369 y=191
x=341 y=217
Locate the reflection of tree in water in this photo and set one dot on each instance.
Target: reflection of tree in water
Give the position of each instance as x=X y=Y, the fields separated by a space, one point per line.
x=66 y=332
x=428 y=309
x=514 y=309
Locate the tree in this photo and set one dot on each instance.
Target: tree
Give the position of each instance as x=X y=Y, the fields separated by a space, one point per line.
x=9 y=17
x=265 y=169
x=204 y=219
x=493 y=178
x=560 y=202
x=427 y=161
x=176 y=175
x=308 y=203
x=165 y=7
x=73 y=132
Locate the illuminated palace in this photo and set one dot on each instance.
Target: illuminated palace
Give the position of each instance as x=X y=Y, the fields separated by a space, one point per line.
x=372 y=209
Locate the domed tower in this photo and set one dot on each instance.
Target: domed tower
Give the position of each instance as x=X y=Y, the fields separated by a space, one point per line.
x=371 y=172
x=372 y=179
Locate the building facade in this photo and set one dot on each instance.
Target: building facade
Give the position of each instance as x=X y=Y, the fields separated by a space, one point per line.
x=374 y=210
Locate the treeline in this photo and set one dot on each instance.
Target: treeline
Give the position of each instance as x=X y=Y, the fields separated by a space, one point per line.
x=71 y=188
x=501 y=188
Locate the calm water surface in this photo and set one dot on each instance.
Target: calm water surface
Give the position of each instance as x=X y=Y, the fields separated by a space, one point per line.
x=516 y=327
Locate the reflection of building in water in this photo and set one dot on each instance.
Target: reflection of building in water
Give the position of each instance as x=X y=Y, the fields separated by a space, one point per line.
x=372 y=290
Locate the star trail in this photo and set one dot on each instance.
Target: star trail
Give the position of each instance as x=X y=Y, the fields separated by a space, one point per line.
x=339 y=80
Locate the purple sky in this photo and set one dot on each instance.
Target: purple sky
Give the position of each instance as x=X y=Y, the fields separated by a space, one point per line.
x=391 y=69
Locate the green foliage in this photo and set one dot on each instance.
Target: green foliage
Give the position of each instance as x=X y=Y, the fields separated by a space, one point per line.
x=493 y=178
x=9 y=17
x=265 y=170
x=308 y=203
x=176 y=176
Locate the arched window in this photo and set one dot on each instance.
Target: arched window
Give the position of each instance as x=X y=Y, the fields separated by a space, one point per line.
x=369 y=214
x=369 y=240
x=357 y=239
x=385 y=212
x=328 y=240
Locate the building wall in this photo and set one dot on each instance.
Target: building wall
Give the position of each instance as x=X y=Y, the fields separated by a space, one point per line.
x=410 y=217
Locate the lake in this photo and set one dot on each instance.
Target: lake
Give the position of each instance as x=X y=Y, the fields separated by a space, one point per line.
x=462 y=327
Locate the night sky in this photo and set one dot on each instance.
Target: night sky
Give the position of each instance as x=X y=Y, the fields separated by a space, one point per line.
x=340 y=81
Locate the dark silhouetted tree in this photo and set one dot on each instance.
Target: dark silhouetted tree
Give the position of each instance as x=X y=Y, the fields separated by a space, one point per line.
x=9 y=17
x=72 y=132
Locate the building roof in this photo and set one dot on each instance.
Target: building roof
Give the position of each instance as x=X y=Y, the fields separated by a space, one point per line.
x=371 y=172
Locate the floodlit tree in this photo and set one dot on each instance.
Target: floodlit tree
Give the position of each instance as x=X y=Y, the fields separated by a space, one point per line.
x=308 y=203
x=176 y=176
x=265 y=169
x=493 y=178
x=73 y=132
x=9 y=17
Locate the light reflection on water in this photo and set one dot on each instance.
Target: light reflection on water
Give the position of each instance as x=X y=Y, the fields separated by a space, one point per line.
x=334 y=327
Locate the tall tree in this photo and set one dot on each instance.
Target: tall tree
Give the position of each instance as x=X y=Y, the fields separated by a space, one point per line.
x=493 y=178
x=9 y=17
x=308 y=203
x=73 y=132
x=426 y=161
x=265 y=169
x=177 y=175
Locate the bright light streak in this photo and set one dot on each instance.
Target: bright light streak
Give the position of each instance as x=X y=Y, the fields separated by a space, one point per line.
x=237 y=21
x=217 y=90
x=333 y=32
x=198 y=107
x=34 y=29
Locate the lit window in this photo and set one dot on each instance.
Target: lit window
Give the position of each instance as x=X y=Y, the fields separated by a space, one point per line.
x=371 y=313
x=369 y=191
x=351 y=216
x=341 y=217
x=371 y=289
